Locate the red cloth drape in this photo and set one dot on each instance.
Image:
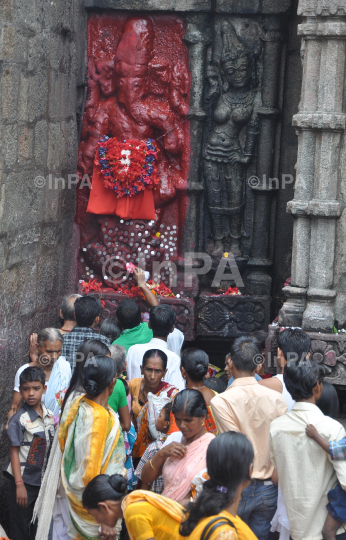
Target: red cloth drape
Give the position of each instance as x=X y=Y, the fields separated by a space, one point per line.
x=104 y=201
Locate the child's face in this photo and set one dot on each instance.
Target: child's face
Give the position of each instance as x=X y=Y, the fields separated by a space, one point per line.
x=161 y=423
x=32 y=392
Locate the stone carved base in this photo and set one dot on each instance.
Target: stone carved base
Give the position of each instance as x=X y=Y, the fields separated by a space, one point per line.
x=231 y=316
x=184 y=308
x=213 y=316
x=291 y=313
x=326 y=349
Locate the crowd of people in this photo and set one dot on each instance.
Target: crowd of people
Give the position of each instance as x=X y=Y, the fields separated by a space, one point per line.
x=117 y=431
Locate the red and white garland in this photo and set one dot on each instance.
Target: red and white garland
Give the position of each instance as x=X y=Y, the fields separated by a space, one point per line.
x=128 y=167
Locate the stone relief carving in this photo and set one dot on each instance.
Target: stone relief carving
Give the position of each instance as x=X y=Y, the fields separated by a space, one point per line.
x=230 y=317
x=138 y=88
x=326 y=349
x=325 y=8
x=249 y=317
x=144 y=92
x=323 y=353
x=232 y=82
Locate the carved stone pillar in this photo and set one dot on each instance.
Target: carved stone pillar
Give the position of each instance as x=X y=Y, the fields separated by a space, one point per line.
x=259 y=280
x=291 y=313
x=196 y=37
x=320 y=123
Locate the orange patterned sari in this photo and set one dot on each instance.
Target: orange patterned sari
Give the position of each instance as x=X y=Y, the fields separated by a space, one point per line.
x=210 y=424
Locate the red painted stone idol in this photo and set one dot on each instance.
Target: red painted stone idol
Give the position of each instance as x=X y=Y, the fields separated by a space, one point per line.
x=134 y=142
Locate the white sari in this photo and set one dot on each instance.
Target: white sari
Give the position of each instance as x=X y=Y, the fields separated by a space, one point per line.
x=59 y=380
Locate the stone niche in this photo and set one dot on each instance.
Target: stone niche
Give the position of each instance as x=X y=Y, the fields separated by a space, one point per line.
x=203 y=80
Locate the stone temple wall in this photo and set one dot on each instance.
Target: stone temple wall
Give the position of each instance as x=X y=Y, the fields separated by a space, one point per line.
x=41 y=87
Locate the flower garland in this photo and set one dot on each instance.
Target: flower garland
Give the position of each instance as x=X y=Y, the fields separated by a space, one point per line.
x=231 y=291
x=93 y=285
x=159 y=289
x=128 y=167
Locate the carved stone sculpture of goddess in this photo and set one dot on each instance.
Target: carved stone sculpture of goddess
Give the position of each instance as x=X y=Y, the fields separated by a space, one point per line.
x=232 y=77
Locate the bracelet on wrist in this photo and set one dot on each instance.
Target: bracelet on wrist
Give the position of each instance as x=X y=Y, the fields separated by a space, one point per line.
x=19 y=482
x=151 y=465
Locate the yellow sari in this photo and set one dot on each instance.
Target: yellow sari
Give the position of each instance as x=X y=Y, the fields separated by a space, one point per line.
x=149 y=515
x=92 y=443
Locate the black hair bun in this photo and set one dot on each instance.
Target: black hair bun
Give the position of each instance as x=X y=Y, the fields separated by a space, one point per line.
x=91 y=388
x=118 y=483
x=201 y=369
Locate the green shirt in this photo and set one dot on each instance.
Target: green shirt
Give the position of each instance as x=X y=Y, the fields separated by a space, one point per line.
x=118 y=398
x=140 y=334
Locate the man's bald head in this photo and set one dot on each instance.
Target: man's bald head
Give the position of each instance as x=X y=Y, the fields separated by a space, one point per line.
x=67 y=307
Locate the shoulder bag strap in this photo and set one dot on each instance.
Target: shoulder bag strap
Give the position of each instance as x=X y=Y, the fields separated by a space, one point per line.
x=215 y=524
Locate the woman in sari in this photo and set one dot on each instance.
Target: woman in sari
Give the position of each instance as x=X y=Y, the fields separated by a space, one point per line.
x=92 y=443
x=194 y=368
x=149 y=516
x=158 y=518
x=229 y=462
x=153 y=369
x=182 y=462
x=52 y=497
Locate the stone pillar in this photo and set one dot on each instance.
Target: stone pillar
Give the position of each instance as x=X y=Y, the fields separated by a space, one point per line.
x=196 y=37
x=259 y=280
x=320 y=123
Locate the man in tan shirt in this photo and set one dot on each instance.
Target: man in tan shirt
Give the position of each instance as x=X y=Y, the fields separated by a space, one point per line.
x=249 y=408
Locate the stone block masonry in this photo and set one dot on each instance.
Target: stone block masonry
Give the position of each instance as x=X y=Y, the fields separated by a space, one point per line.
x=42 y=61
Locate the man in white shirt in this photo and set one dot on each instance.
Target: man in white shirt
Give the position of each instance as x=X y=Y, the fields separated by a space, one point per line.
x=161 y=321
x=175 y=341
x=306 y=472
